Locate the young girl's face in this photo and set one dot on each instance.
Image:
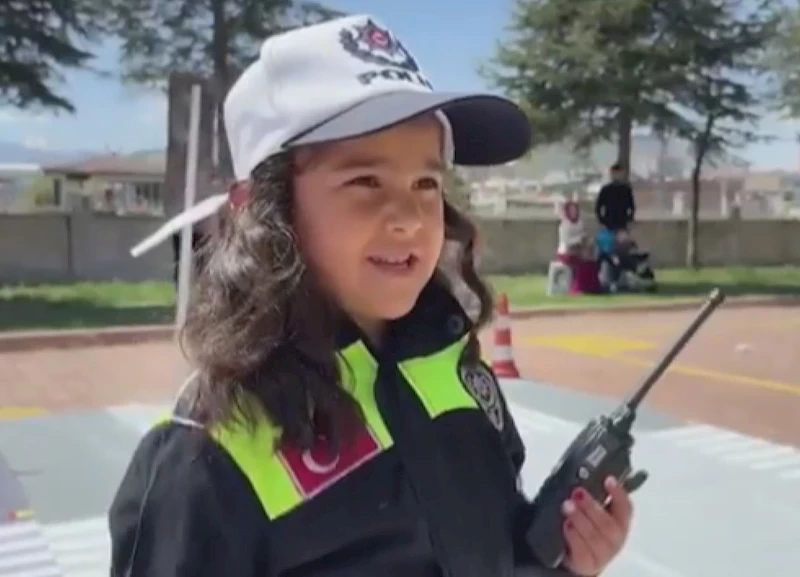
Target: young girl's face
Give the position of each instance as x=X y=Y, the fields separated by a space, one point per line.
x=369 y=217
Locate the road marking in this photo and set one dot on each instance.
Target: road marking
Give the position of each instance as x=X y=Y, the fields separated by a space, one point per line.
x=82 y=548
x=13 y=413
x=736 y=449
x=25 y=552
x=533 y=421
x=591 y=343
x=791 y=388
x=735 y=378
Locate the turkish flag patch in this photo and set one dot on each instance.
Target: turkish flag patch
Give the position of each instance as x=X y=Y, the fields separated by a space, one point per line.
x=315 y=470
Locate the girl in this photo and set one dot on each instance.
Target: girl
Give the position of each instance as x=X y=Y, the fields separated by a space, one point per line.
x=341 y=421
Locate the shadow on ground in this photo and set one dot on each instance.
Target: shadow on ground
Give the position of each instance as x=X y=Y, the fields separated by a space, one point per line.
x=31 y=313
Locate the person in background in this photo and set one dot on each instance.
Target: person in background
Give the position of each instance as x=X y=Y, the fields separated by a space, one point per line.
x=615 y=207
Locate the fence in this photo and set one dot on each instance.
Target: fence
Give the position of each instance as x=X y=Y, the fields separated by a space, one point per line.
x=89 y=246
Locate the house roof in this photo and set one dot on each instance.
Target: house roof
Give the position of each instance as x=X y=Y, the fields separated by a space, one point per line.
x=137 y=164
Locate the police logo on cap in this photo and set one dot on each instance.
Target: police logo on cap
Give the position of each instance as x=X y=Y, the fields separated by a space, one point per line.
x=484 y=388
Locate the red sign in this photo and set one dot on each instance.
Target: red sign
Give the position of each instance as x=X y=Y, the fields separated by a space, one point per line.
x=315 y=470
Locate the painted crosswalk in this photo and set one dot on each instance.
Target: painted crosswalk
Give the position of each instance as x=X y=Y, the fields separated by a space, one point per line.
x=736 y=449
x=529 y=420
x=81 y=548
x=73 y=549
x=25 y=551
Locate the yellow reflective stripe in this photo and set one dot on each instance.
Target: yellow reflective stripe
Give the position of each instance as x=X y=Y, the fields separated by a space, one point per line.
x=437 y=382
x=254 y=453
x=359 y=369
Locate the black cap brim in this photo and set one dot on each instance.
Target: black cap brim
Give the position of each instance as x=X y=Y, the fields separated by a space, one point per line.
x=487 y=130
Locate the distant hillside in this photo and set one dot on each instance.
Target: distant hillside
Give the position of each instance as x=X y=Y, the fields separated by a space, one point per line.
x=17 y=153
x=549 y=160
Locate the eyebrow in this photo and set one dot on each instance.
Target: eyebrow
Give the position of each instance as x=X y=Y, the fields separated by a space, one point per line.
x=362 y=162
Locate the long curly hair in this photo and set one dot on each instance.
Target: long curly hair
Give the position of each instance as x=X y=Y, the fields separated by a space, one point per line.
x=260 y=328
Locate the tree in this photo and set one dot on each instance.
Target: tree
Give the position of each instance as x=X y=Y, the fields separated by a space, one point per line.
x=716 y=107
x=587 y=70
x=215 y=38
x=783 y=60
x=39 y=39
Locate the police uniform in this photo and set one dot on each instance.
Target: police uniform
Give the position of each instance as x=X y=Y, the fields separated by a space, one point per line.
x=429 y=487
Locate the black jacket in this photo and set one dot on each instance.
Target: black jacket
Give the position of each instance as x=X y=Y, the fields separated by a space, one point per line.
x=442 y=501
x=615 y=208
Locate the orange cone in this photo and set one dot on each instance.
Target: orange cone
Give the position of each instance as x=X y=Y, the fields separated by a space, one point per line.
x=503 y=363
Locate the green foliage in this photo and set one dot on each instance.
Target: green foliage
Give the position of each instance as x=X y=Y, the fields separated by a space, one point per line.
x=716 y=107
x=586 y=70
x=40 y=38
x=216 y=38
x=783 y=60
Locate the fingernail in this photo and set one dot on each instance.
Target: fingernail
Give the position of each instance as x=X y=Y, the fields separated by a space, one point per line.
x=611 y=483
x=568 y=507
x=578 y=495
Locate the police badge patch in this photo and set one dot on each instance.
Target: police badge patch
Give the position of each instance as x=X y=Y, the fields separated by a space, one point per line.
x=484 y=388
x=375 y=45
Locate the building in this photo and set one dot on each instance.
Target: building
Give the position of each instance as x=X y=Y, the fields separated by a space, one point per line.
x=113 y=183
x=16 y=180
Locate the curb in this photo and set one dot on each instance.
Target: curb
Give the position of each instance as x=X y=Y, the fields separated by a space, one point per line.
x=653 y=306
x=20 y=341
x=80 y=338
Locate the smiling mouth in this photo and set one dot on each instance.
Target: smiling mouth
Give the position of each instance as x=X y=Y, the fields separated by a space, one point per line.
x=394 y=263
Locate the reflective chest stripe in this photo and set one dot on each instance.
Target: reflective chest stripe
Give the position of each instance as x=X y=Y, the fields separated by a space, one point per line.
x=283 y=479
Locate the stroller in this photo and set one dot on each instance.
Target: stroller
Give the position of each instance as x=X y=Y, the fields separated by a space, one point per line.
x=623 y=267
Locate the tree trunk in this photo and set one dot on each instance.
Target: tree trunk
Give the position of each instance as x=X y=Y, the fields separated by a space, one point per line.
x=701 y=148
x=221 y=83
x=624 y=140
x=694 y=211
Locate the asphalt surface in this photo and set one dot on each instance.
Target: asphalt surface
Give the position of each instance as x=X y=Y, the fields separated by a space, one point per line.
x=718 y=503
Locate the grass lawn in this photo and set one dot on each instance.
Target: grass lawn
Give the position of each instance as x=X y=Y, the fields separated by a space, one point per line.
x=529 y=291
x=85 y=305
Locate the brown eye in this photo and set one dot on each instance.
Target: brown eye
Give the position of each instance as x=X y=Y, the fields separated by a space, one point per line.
x=427 y=184
x=367 y=181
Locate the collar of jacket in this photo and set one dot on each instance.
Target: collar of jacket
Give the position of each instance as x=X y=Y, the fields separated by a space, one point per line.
x=437 y=321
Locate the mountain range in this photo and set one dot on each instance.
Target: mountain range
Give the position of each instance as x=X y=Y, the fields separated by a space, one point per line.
x=13 y=153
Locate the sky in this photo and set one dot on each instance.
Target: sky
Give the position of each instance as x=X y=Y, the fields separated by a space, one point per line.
x=450 y=46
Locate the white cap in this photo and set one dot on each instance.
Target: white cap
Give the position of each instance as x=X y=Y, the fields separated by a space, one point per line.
x=341 y=79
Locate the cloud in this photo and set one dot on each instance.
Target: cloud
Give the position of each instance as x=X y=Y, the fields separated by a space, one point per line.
x=35 y=142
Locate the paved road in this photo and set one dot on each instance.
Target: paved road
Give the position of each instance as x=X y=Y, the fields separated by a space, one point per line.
x=742 y=371
x=749 y=490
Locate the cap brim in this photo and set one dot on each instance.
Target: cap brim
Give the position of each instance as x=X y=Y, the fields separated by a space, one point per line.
x=487 y=129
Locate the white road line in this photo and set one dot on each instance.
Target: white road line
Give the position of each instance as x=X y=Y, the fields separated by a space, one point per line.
x=733 y=448
x=82 y=548
x=24 y=551
x=537 y=421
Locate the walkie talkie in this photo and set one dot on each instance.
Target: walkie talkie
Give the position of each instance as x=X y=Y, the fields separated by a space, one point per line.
x=602 y=449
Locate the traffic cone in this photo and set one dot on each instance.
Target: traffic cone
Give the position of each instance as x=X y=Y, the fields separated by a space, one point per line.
x=503 y=363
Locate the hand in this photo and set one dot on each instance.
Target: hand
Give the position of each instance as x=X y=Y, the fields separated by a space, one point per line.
x=595 y=534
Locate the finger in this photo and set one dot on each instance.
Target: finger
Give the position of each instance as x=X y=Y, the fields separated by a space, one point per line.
x=579 y=559
x=606 y=526
x=584 y=533
x=621 y=506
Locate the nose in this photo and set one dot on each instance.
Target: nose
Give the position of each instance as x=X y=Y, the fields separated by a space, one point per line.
x=405 y=218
